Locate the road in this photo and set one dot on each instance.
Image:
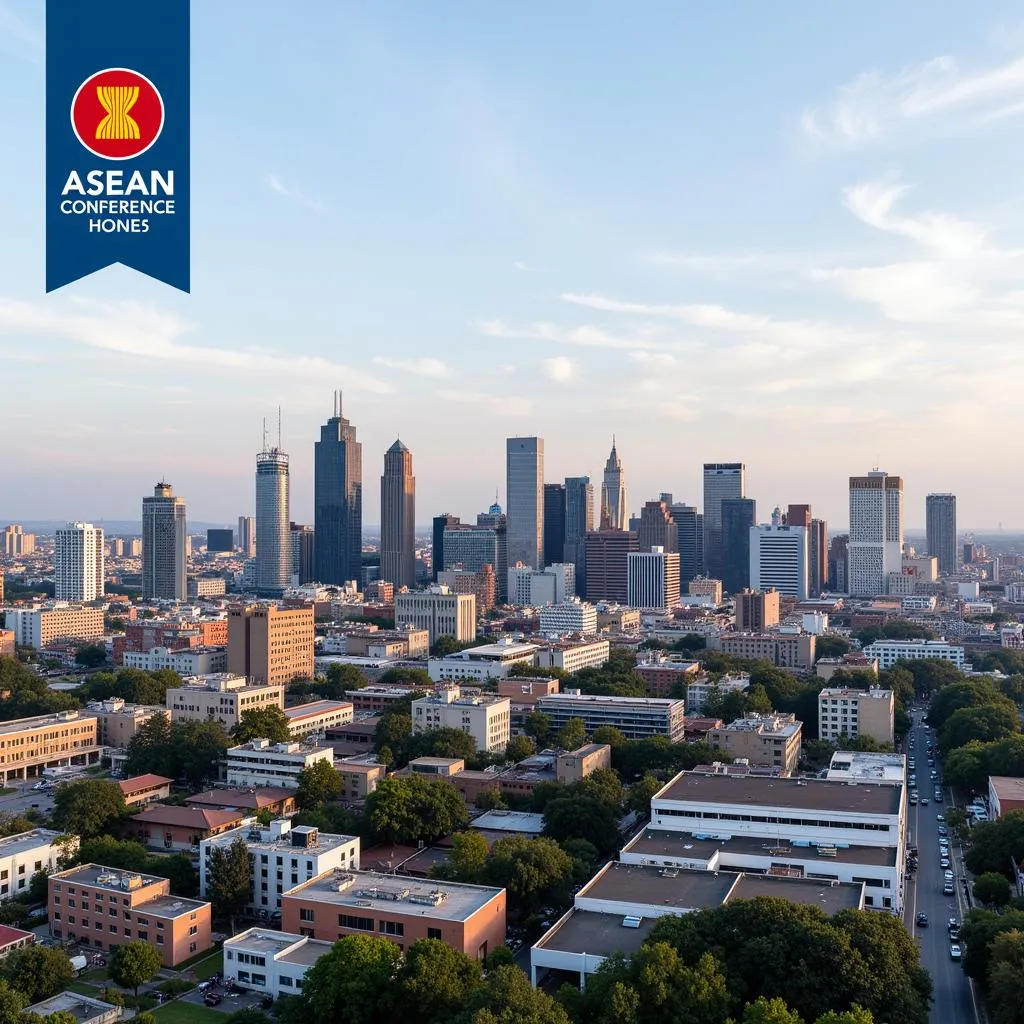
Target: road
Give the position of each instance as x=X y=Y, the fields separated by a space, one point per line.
x=954 y=998
x=24 y=796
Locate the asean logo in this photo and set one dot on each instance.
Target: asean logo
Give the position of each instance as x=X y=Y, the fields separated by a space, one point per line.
x=117 y=114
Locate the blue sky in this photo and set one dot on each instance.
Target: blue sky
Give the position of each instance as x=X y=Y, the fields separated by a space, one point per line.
x=787 y=234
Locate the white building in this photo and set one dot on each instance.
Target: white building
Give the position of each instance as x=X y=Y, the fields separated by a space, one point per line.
x=888 y=652
x=478 y=664
x=262 y=763
x=570 y=616
x=856 y=713
x=652 y=579
x=697 y=693
x=281 y=857
x=876 y=532
x=532 y=587
x=314 y=718
x=22 y=855
x=573 y=655
x=779 y=560
x=439 y=611
x=193 y=661
x=78 y=563
x=224 y=697
x=859 y=766
x=636 y=717
x=272 y=962
x=918 y=603
x=486 y=718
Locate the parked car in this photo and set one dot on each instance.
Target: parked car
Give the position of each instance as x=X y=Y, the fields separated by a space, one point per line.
x=213 y=999
x=922 y=920
x=955 y=952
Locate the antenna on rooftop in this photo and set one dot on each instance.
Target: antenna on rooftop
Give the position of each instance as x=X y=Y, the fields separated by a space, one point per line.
x=279 y=428
x=264 y=433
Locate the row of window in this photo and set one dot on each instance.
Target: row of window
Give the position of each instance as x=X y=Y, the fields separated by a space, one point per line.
x=771 y=819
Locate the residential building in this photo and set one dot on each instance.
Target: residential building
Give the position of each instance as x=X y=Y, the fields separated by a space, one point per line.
x=271 y=962
x=614 y=510
x=302 y=549
x=657 y=528
x=143 y=790
x=118 y=722
x=617 y=619
x=1005 y=794
x=525 y=500
x=739 y=517
x=722 y=480
x=359 y=776
x=703 y=586
x=484 y=717
x=876 y=532
x=271 y=646
x=636 y=717
x=25 y=853
x=398 y=518
x=940 y=516
x=28 y=746
x=772 y=739
x=606 y=553
x=439 y=612
x=206 y=586
x=224 y=697
x=338 y=501
x=573 y=655
x=856 y=713
x=193 y=661
x=262 y=763
x=469 y=918
x=756 y=611
x=479 y=664
x=180 y=829
x=663 y=672
x=652 y=579
x=280 y=802
x=273 y=534
x=15 y=543
x=103 y=907
x=14 y=938
x=779 y=559
x=554 y=522
x=888 y=652
x=247 y=536
x=164 y=565
x=78 y=563
x=579 y=521
x=568 y=616
x=281 y=856
x=39 y=626
x=699 y=690
x=793 y=650
x=315 y=717
x=575 y=765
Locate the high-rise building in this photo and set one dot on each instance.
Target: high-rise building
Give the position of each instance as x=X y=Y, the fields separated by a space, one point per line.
x=338 y=501
x=247 y=536
x=270 y=646
x=579 y=521
x=799 y=515
x=607 y=558
x=839 y=564
x=738 y=516
x=164 y=564
x=690 y=544
x=78 y=563
x=818 y=553
x=303 y=553
x=613 y=494
x=876 y=532
x=496 y=520
x=440 y=524
x=756 y=611
x=15 y=543
x=778 y=560
x=652 y=579
x=273 y=535
x=554 y=522
x=721 y=480
x=398 y=518
x=217 y=541
x=657 y=528
x=940 y=514
x=969 y=552
x=524 y=468
x=470 y=548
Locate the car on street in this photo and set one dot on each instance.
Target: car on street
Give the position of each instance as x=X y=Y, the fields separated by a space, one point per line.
x=943 y=831
x=947 y=889
x=924 y=801
x=213 y=999
x=938 y=796
x=940 y=817
x=943 y=862
x=922 y=920
x=955 y=952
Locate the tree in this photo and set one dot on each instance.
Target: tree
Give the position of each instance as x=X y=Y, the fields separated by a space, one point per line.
x=1006 y=977
x=91 y=655
x=831 y=646
x=519 y=748
x=534 y=871
x=602 y=784
x=354 y=982
x=538 y=725
x=642 y=792
x=435 y=981
x=988 y=723
x=996 y=844
x=268 y=723
x=610 y=735
x=12 y=1002
x=38 y=972
x=345 y=677
x=572 y=735
x=133 y=963
x=584 y=856
x=469 y=852
x=413 y=807
x=992 y=889
x=318 y=783
x=758 y=699
x=855 y=1015
x=489 y=800
x=507 y=997
x=229 y=880
x=582 y=817
x=38 y=887
x=192 y=750
x=769 y=1011
x=88 y=807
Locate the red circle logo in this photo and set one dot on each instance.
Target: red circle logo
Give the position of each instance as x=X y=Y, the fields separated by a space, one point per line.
x=117 y=114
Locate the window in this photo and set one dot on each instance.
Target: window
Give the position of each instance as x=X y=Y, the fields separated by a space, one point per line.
x=433 y=933
x=194 y=930
x=362 y=924
x=159 y=940
x=72 y=903
x=259 y=979
x=144 y=936
x=113 y=928
x=229 y=954
x=392 y=928
x=192 y=947
x=71 y=918
x=306 y=914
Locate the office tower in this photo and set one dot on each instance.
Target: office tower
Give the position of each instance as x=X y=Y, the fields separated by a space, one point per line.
x=756 y=611
x=164 y=562
x=799 y=515
x=652 y=579
x=440 y=524
x=969 y=552
x=303 y=553
x=524 y=482
x=606 y=555
x=940 y=515
x=656 y=528
x=839 y=564
x=15 y=543
x=270 y=646
x=876 y=532
x=721 y=480
x=219 y=541
x=273 y=537
x=78 y=563
x=554 y=523
x=613 y=493
x=738 y=516
x=247 y=536
x=134 y=548
x=579 y=521
x=398 y=518
x=818 y=554
x=338 y=501
x=690 y=542
x=496 y=521
x=779 y=560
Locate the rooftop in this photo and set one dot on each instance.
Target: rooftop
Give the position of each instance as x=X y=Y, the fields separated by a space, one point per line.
x=314 y=708
x=170 y=906
x=24 y=841
x=187 y=817
x=111 y=879
x=283 y=946
x=245 y=799
x=82 y=1008
x=772 y=724
x=574 y=697
x=259 y=838
x=673 y=891
x=9 y=935
x=587 y=931
x=510 y=821
x=1007 y=788
x=55 y=721
x=266 y=747
x=492 y=652
x=864 y=767
x=831 y=898
x=141 y=783
x=368 y=890
x=220 y=682
x=875 y=693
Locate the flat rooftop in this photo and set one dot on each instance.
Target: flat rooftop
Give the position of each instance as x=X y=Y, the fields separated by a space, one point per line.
x=510 y=821
x=675 y=891
x=280 y=945
x=1004 y=786
x=864 y=767
x=82 y=1008
x=315 y=707
x=800 y=794
x=586 y=931
x=259 y=838
x=368 y=890
x=810 y=892
x=616 y=702
x=55 y=721
x=170 y=906
x=25 y=841
x=104 y=878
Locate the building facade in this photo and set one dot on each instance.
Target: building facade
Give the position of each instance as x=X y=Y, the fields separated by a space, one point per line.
x=757 y=611
x=224 y=698
x=607 y=564
x=486 y=718
x=636 y=717
x=164 y=563
x=439 y=612
x=614 y=510
x=568 y=616
x=940 y=516
x=722 y=480
x=316 y=717
x=772 y=740
x=247 y=536
x=524 y=459
x=338 y=501
x=579 y=521
x=262 y=763
x=779 y=560
x=739 y=517
x=38 y=626
x=29 y=746
x=273 y=533
x=856 y=713
x=888 y=652
x=652 y=579
x=78 y=572
x=271 y=646
x=271 y=962
x=875 y=546
x=398 y=518
x=25 y=853
x=118 y=722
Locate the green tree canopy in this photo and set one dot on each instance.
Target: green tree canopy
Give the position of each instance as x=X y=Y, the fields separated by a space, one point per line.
x=992 y=889
x=229 y=880
x=995 y=844
x=413 y=807
x=268 y=723
x=435 y=982
x=519 y=748
x=469 y=852
x=354 y=982
x=986 y=724
x=190 y=750
x=582 y=817
x=1006 y=977
x=132 y=964
x=318 y=783
x=88 y=807
x=538 y=725
x=507 y=997
x=91 y=655
x=572 y=735
x=610 y=735
x=38 y=971
x=769 y=1011
x=533 y=871
x=642 y=792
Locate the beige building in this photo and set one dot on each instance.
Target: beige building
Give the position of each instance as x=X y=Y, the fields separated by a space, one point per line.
x=575 y=765
x=372 y=642
x=119 y=722
x=28 y=746
x=224 y=697
x=617 y=618
x=271 y=645
x=853 y=661
x=856 y=713
x=787 y=650
x=526 y=689
x=439 y=612
x=38 y=626
x=486 y=718
x=262 y=763
x=756 y=611
x=772 y=740
x=359 y=776
x=703 y=586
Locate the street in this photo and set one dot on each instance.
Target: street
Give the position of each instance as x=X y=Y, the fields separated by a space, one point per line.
x=954 y=998
x=24 y=796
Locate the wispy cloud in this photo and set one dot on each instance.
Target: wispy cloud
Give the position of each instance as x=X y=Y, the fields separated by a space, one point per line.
x=584 y=336
x=523 y=266
x=559 y=369
x=423 y=366
x=937 y=97
x=507 y=405
x=275 y=184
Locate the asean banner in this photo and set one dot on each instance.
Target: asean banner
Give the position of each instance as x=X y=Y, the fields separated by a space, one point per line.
x=117 y=139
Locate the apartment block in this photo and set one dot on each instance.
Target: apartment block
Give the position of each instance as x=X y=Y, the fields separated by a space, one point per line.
x=118 y=722
x=28 y=746
x=193 y=661
x=636 y=717
x=486 y=718
x=317 y=716
x=25 y=853
x=856 y=713
x=224 y=697
x=573 y=655
x=572 y=616
x=359 y=776
x=661 y=672
x=772 y=740
x=756 y=611
x=699 y=690
x=372 y=642
x=103 y=907
x=262 y=763
x=440 y=612
x=271 y=962
x=271 y=645
x=704 y=586
x=787 y=650
x=888 y=652
x=39 y=626
x=479 y=664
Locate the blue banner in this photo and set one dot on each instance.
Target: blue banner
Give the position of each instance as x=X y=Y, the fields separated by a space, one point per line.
x=117 y=139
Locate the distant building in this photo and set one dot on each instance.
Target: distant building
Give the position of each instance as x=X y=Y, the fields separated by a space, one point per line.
x=569 y=616
x=525 y=500
x=779 y=559
x=940 y=515
x=164 y=563
x=438 y=611
x=262 y=763
x=699 y=690
x=224 y=697
x=573 y=655
x=398 y=517
x=772 y=739
x=856 y=713
x=876 y=532
x=652 y=579
x=270 y=645
x=739 y=517
x=756 y=611
x=787 y=650
x=888 y=652
x=39 y=626
x=607 y=560
x=579 y=521
x=485 y=718
x=702 y=586
x=247 y=536
x=317 y=716
x=78 y=563
x=554 y=522
x=662 y=672
x=613 y=514
x=15 y=543
x=273 y=538
x=220 y=541
x=635 y=717
x=302 y=551
x=657 y=528
x=338 y=501
x=722 y=480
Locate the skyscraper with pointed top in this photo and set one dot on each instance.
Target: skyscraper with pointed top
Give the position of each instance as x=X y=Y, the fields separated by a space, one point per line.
x=398 y=518
x=613 y=493
x=273 y=533
x=338 y=501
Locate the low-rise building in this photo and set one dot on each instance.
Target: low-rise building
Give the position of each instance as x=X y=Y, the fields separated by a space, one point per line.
x=857 y=766
x=378 y=698
x=118 y=722
x=316 y=717
x=786 y=649
x=852 y=661
x=617 y=619
x=14 y=938
x=38 y=625
x=224 y=698
x=575 y=765
x=262 y=763
x=271 y=962
x=188 y=661
x=772 y=739
x=439 y=611
x=1005 y=794
x=483 y=663
x=145 y=789
x=661 y=672
x=888 y=652
x=573 y=655
x=371 y=642
x=279 y=802
x=359 y=776
x=31 y=746
x=84 y=1009
x=177 y=829
x=525 y=690
x=636 y=717
x=699 y=690
x=856 y=713
x=25 y=853
x=703 y=586
x=569 y=618
x=8 y=642
x=485 y=717
x=356 y=739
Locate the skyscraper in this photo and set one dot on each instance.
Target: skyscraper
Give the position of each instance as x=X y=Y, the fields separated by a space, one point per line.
x=398 y=518
x=738 y=516
x=607 y=554
x=613 y=494
x=799 y=515
x=778 y=560
x=940 y=516
x=554 y=523
x=164 y=563
x=656 y=528
x=247 y=536
x=440 y=523
x=818 y=544
x=273 y=536
x=524 y=476
x=690 y=532
x=338 y=501
x=653 y=579
x=303 y=553
x=78 y=563
x=721 y=480
x=579 y=521
x=839 y=564
x=496 y=521
x=876 y=532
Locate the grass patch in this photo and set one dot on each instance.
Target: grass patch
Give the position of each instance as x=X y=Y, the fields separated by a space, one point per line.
x=176 y=986
x=99 y=974
x=7 y=791
x=141 y=1003
x=188 y=1013
x=204 y=965
x=83 y=988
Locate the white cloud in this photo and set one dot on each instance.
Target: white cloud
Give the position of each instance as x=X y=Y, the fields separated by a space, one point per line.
x=559 y=368
x=523 y=266
x=653 y=359
x=504 y=405
x=275 y=184
x=585 y=336
x=423 y=366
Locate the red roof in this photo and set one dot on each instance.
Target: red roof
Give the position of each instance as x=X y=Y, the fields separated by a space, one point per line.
x=139 y=784
x=199 y=818
x=9 y=935
x=250 y=799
